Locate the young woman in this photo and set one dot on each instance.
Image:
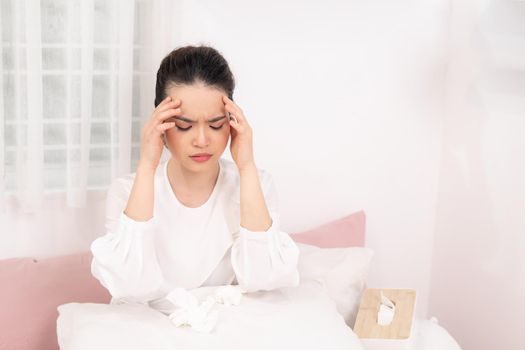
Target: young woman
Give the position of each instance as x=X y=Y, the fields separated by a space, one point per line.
x=196 y=219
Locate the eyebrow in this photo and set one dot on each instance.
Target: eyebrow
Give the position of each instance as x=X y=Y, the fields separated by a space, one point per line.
x=212 y=120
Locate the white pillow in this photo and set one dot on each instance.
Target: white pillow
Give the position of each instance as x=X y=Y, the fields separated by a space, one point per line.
x=342 y=271
x=302 y=317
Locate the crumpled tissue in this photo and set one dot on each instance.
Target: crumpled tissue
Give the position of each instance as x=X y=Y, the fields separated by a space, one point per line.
x=201 y=316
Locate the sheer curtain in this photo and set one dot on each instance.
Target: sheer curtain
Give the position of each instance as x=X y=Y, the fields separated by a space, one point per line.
x=77 y=82
x=479 y=242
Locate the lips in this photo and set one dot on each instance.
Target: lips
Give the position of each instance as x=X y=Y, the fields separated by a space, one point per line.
x=201 y=157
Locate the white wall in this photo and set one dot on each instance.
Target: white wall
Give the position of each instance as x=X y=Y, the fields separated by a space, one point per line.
x=344 y=102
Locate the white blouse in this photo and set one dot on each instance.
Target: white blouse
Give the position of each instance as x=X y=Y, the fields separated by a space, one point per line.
x=191 y=247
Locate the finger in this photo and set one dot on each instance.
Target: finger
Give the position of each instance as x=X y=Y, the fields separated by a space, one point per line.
x=147 y=126
x=162 y=116
x=235 y=110
x=232 y=117
x=234 y=105
x=168 y=105
x=233 y=129
x=238 y=116
x=164 y=126
x=166 y=99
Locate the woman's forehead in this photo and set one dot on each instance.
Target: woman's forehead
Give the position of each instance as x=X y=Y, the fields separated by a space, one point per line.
x=198 y=101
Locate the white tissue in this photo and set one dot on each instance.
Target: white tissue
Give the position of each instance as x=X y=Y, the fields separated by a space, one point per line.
x=180 y=297
x=229 y=295
x=386 y=311
x=201 y=317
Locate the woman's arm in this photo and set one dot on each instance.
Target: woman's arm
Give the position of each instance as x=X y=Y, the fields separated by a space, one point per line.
x=140 y=203
x=263 y=258
x=124 y=258
x=254 y=212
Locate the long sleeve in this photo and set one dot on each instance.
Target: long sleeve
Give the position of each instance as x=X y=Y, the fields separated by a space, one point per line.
x=266 y=260
x=124 y=259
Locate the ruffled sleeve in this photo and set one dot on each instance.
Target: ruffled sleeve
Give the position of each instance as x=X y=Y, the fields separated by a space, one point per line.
x=266 y=260
x=124 y=258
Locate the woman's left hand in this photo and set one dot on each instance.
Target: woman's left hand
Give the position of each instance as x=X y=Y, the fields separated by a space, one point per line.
x=241 y=145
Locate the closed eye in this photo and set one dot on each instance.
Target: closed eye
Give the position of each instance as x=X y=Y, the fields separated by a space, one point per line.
x=189 y=127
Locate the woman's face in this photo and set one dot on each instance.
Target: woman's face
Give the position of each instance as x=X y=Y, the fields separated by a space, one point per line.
x=202 y=130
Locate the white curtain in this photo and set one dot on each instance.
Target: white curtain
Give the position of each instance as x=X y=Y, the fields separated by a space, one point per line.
x=77 y=82
x=479 y=242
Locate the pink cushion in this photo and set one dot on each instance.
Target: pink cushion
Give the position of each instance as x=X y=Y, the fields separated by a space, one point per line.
x=348 y=231
x=31 y=291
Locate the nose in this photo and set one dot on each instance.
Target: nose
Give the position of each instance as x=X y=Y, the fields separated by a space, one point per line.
x=201 y=139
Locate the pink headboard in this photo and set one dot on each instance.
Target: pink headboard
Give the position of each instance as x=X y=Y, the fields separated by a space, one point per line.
x=348 y=231
x=31 y=291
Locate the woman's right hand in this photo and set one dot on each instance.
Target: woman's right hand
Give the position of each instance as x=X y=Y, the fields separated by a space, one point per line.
x=151 y=144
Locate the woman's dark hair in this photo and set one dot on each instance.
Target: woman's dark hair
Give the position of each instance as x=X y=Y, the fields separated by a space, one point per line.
x=191 y=64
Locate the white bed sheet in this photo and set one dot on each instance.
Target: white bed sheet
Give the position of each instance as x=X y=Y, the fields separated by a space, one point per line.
x=303 y=317
x=430 y=335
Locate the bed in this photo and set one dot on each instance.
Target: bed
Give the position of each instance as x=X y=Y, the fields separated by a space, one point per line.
x=55 y=303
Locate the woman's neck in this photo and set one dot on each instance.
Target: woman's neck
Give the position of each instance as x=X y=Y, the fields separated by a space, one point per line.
x=189 y=181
